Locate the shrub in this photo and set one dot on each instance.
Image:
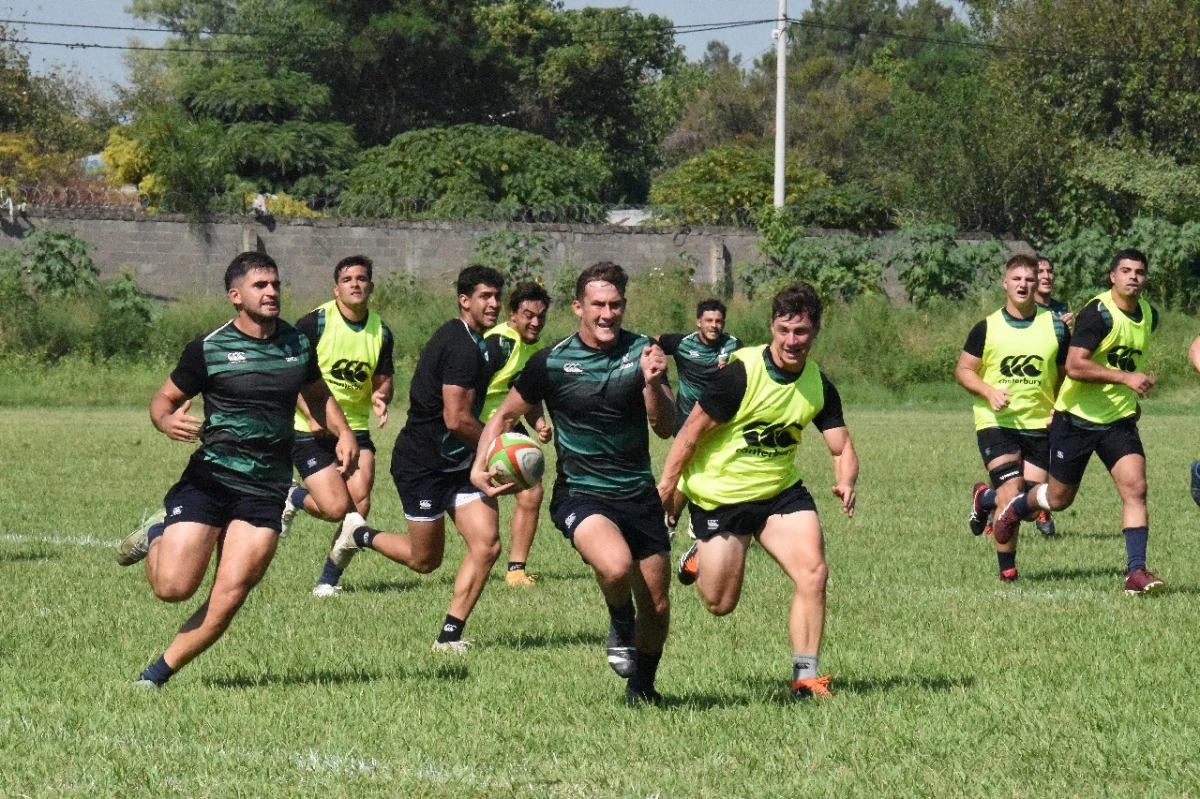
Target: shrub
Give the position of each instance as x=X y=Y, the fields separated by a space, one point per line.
x=56 y=263
x=931 y=263
x=514 y=254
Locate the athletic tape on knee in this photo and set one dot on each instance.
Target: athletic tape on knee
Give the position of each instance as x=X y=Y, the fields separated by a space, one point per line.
x=1040 y=496
x=1004 y=472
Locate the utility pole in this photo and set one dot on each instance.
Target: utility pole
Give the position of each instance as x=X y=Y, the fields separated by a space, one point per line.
x=780 y=103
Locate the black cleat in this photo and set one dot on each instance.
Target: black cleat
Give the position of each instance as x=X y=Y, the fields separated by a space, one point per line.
x=621 y=652
x=636 y=698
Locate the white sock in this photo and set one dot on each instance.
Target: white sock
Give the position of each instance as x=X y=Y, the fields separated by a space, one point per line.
x=804 y=666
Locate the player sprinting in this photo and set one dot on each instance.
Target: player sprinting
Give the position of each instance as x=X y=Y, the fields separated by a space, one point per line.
x=230 y=497
x=1012 y=363
x=1045 y=298
x=354 y=351
x=431 y=462
x=698 y=357
x=510 y=345
x=736 y=455
x=602 y=386
x=1097 y=411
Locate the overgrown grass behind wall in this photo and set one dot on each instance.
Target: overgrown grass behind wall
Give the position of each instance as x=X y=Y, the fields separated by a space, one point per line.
x=880 y=355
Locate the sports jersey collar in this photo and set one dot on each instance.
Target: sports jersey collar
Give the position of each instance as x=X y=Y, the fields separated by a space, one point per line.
x=781 y=376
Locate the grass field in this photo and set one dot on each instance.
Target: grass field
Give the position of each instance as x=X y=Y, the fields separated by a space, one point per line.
x=947 y=683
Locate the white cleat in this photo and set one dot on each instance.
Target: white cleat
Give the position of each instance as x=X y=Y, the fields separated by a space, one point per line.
x=458 y=647
x=135 y=546
x=290 y=510
x=344 y=546
x=327 y=590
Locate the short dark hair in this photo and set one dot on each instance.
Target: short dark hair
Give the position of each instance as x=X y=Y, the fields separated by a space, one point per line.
x=709 y=305
x=603 y=271
x=528 y=292
x=247 y=262
x=475 y=275
x=1130 y=254
x=354 y=260
x=797 y=299
x=1039 y=258
x=1021 y=261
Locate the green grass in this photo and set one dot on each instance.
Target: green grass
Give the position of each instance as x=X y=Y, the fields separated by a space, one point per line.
x=947 y=683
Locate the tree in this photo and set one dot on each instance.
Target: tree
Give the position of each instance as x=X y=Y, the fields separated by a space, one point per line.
x=469 y=170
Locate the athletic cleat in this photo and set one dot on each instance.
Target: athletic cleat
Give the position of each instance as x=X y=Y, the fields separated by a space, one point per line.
x=635 y=698
x=289 y=512
x=689 y=565
x=458 y=647
x=136 y=545
x=977 y=521
x=1045 y=524
x=1196 y=481
x=811 y=686
x=327 y=590
x=1009 y=576
x=990 y=529
x=1143 y=582
x=671 y=523
x=144 y=684
x=519 y=578
x=343 y=546
x=621 y=653
x=1006 y=524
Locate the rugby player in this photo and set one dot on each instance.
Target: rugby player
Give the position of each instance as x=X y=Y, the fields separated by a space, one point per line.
x=1012 y=363
x=431 y=462
x=736 y=455
x=1097 y=411
x=601 y=386
x=231 y=495
x=354 y=351
x=1045 y=298
x=698 y=356
x=510 y=345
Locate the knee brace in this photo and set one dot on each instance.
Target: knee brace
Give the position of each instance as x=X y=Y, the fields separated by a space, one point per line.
x=1005 y=472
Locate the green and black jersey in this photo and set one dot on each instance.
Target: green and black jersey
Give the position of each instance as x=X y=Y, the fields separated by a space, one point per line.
x=595 y=402
x=250 y=387
x=696 y=363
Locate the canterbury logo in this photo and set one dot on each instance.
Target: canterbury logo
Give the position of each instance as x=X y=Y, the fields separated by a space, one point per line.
x=348 y=371
x=1021 y=366
x=774 y=436
x=1122 y=358
x=573 y=369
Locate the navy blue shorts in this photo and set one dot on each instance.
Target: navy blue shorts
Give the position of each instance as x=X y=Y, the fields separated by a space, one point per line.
x=1071 y=446
x=311 y=454
x=206 y=502
x=748 y=518
x=426 y=495
x=639 y=518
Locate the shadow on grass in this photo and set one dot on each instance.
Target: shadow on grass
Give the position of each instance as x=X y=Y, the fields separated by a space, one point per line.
x=447 y=672
x=547 y=640
x=1056 y=575
x=382 y=588
x=27 y=557
x=289 y=680
x=777 y=692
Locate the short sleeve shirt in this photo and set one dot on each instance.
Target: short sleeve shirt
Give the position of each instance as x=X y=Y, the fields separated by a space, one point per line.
x=595 y=402
x=696 y=363
x=455 y=356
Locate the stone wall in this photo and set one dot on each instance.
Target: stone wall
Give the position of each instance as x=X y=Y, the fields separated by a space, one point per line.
x=171 y=256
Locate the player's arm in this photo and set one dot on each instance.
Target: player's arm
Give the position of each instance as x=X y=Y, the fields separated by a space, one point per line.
x=536 y=419
x=325 y=411
x=1194 y=354
x=660 y=405
x=845 y=466
x=384 y=388
x=683 y=449
x=513 y=408
x=168 y=413
x=1081 y=367
x=457 y=416
x=967 y=370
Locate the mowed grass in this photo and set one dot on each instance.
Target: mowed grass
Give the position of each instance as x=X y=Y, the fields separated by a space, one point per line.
x=947 y=683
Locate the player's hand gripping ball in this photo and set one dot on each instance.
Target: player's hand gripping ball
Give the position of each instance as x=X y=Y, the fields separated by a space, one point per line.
x=515 y=458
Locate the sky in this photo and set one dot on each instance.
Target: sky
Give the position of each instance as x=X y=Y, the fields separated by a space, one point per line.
x=106 y=66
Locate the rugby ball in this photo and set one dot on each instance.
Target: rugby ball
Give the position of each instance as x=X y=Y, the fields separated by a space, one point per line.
x=515 y=458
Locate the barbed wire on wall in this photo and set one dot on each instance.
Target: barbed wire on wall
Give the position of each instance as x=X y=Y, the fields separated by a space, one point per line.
x=88 y=199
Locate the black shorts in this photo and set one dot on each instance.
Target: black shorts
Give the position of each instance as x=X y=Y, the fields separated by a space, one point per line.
x=206 y=502
x=1071 y=446
x=1032 y=445
x=426 y=495
x=748 y=518
x=639 y=518
x=311 y=454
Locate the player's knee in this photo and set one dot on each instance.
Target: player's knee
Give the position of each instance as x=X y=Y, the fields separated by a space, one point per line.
x=363 y=506
x=426 y=562
x=173 y=590
x=531 y=498
x=720 y=605
x=812 y=576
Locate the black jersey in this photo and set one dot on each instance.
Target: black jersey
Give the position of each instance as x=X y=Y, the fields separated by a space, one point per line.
x=455 y=356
